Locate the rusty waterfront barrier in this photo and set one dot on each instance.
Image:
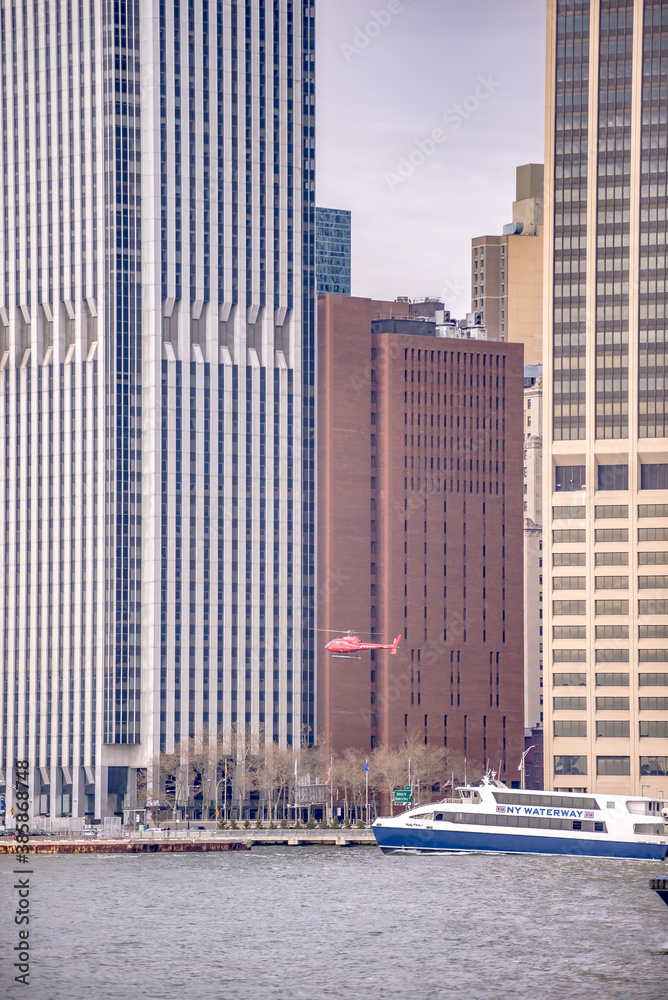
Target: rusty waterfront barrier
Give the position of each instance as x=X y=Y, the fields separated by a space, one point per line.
x=37 y=846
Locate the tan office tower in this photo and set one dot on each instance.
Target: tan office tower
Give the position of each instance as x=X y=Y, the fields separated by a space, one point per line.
x=507 y=271
x=606 y=437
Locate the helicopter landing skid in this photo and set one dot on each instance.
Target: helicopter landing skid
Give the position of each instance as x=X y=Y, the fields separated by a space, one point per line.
x=346 y=656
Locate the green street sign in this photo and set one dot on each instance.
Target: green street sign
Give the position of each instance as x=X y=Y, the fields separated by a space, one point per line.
x=402 y=795
x=407 y=787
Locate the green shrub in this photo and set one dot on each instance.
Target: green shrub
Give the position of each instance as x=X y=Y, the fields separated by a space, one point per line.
x=272 y=825
x=323 y=825
x=284 y=823
x=298 y=825
x=360 y=824
x=259 y=824
x=246 y=824
x=348 y=824
x=234 y=825
x=222 y=824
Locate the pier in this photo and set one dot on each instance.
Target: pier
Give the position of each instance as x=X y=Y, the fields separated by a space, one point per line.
x=173 y=842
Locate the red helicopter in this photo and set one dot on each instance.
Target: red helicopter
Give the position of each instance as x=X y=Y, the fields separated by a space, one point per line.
x=347 y=645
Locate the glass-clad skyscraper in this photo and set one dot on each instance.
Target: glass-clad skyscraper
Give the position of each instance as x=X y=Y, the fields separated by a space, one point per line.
x=332 y=251
x=606 y=433
x=156 y=384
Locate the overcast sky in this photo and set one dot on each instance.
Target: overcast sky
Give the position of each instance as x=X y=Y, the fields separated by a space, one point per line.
x=424 y=109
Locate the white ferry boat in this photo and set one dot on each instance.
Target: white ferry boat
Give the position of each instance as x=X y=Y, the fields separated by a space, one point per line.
x=494 y=818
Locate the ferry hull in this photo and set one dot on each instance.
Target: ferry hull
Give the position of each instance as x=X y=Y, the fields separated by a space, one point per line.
x=392 y=840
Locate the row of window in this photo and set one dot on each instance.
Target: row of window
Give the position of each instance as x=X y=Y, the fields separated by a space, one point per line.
x=579 y=511
x=609 y=582
x=645 y=607
x=613 y=765
x=610 y=632
x=560 y=536
x=609 y=680
x=659 y=558
x=615 y=704
x=616 y=728
x=572 y=478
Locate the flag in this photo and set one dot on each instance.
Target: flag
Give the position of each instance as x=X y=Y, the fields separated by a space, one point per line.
x=448 y=784
x=366 y=766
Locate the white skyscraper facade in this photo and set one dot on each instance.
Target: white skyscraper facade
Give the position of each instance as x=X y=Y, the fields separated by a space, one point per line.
x=156 y=384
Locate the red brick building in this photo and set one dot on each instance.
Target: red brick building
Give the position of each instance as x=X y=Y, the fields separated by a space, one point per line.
x=420 y=531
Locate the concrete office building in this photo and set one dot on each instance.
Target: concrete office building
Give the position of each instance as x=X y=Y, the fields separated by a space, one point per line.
x=332 y=251
x=420 y=524
x=157 y=366
x=507 y=270
x=606 y=431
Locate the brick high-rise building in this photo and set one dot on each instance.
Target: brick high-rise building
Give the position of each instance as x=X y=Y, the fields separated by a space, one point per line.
x=420 y=530
x=606 y=409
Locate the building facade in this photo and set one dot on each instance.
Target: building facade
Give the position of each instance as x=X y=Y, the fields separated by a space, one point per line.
x=157 y=369
x=332 y=251
x=507 y=270
x=533 y=546
x=420 y=520
x=606 y=437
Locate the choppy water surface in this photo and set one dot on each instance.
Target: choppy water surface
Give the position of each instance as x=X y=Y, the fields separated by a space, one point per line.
x=282 y=923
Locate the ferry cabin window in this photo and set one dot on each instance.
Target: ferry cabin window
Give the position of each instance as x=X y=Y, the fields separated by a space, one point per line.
x=554 y=801
x=525 y=822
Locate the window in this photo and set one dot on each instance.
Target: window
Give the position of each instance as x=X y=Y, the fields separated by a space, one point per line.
x=570 y=764
x=577 y=727
x=568 y=513
x=612 y=607
x=653 y=631
x=569 y=631
x=569 y=583
x=611 y=534
x=653 y=655
x=612 y=656
x=648 y=607
x=611 y=510
x=615 y=728
x=653 y=765
x=570 y=655
x=652 y=582
x=612 y=680
x=570 y=704
x=653 y=558
x=653 y=704
x=570 y=607
x=653 y=680
x=612 y=583
x=612 y=704
x=612 y=558
x=569 y=478
x=613 y=477
x=653 y=510
x=569 y=535
x=569 y=680
x=612 y=631
x=613 y=765
x=653 y=534
x=654 y=477
x=654 y=729
x=569 y=559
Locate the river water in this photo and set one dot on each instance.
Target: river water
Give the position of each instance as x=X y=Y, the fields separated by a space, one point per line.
x=282 y=923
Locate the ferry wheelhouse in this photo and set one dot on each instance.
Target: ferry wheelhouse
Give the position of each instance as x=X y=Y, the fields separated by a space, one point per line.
x=494 y=818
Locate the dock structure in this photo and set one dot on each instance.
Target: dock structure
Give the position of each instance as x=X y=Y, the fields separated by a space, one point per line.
x=169 y=842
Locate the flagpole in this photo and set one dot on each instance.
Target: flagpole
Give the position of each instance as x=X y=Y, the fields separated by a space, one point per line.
x=366 y=775
x=331 y=791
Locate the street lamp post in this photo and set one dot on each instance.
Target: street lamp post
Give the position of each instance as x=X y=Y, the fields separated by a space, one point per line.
x=520 y=767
